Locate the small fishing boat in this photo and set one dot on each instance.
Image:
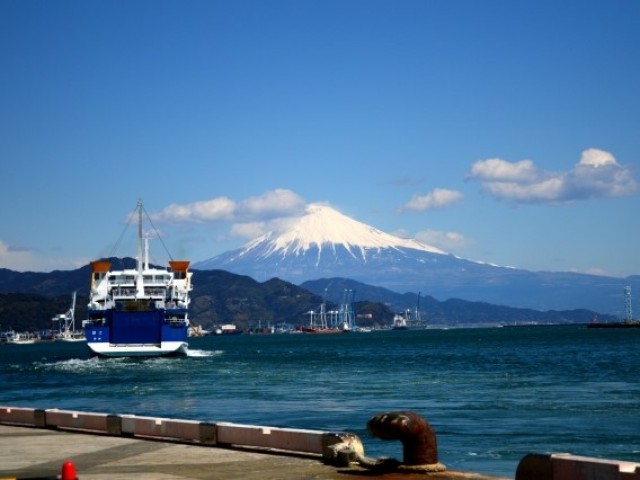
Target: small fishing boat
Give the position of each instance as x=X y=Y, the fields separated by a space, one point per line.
x=139 y=312
x=24 y=339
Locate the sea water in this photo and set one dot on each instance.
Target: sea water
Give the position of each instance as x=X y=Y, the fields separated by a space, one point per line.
x=491 y=395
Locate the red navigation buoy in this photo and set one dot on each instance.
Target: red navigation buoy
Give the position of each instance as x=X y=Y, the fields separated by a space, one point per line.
x=68 y=471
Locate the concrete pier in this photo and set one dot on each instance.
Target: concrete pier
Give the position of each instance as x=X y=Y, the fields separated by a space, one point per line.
x=36 y=443
x=30 y=453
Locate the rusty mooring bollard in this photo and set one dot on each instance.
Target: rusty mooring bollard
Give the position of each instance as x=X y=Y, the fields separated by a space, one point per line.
x=420 y=449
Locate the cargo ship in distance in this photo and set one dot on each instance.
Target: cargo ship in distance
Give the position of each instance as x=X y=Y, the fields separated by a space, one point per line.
x=141 y=312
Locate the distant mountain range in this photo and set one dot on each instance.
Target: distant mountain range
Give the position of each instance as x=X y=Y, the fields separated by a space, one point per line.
x=324 y=243
x=29 y=300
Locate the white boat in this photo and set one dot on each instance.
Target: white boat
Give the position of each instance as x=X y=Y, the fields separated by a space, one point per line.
x=23 y=339
x=141 y=312
x=227 y=329
x=400 y=321
x=66 y=324
x=403 y=320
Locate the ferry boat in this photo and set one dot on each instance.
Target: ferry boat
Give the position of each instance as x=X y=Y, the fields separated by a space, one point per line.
x=141 y=312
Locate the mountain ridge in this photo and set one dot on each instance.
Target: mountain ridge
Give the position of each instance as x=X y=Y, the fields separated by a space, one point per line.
x=221 y=297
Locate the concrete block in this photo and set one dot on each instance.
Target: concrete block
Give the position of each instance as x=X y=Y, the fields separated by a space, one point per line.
x=573 y=467
x=297 y=440
x=564 y=466
x=71 y=420
x=187 y=430
x=20 y=416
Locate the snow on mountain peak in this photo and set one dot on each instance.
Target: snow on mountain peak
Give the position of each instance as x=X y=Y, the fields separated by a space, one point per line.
x=325 y=227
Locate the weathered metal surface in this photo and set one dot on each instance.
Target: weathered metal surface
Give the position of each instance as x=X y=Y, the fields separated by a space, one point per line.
x=420 y=448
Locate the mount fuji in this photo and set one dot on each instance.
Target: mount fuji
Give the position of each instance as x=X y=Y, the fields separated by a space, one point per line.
x=324 y=243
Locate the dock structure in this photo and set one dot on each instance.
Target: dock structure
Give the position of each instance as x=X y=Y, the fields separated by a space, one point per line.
x=36 y=444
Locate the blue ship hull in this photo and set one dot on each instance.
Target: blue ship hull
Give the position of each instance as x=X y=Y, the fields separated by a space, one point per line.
x=137 y=333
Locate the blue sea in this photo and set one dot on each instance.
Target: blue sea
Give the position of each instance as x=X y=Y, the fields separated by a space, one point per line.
x=492 y=395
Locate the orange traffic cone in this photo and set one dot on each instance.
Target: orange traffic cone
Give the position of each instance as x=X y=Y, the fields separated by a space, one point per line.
x=68 y=471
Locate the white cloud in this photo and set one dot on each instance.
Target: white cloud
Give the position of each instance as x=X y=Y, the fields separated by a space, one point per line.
x=438 y=198
x=448 y=241
x=246 y=218
x=596 y=158
x=527 y=192
x=495 y=169
x=221 y=208
x=249 y=230
x=11 y=257
x=597 y=174
x=25 y=260
x=274 y=203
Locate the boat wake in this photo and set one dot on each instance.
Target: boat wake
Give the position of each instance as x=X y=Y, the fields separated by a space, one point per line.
x=204 y=353
x=72 y=365
x=98 y=365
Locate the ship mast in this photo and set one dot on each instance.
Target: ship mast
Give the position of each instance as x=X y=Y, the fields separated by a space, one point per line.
x=140 y=247
x=139 y=260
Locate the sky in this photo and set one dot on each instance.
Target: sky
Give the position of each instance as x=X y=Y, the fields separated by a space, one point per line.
x=506 y=132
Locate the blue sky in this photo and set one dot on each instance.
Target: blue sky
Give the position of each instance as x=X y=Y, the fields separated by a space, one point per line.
x=500 y=131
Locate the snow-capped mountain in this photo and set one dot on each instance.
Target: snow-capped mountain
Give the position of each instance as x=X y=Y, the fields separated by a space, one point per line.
x=325 y=229
x=324 y=243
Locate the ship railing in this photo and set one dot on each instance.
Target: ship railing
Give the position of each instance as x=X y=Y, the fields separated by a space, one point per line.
x=119 y=297
x=123 y=292
x=93 y=322
x=175 y=311
x=183 y=297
